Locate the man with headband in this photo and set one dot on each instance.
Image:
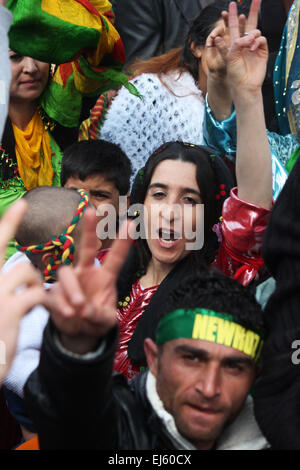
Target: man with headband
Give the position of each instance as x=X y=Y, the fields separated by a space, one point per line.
x=195 y=395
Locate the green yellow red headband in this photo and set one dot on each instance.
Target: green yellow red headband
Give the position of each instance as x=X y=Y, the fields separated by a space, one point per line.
x=62 y=245
x=210 y=326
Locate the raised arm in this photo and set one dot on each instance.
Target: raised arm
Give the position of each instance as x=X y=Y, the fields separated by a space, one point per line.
x=79 y=410
x=246 y=68
x=83 y=303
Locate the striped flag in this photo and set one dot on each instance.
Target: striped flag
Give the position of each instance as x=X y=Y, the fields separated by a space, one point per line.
x=58 y=30
x=78 y=35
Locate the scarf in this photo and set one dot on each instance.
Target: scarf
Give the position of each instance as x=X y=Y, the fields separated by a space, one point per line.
x=33 y=153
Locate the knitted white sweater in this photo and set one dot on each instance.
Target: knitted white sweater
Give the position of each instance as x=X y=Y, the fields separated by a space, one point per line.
x=140 y=126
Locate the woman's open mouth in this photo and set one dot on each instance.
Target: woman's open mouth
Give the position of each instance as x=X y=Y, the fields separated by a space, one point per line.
x=168 y=238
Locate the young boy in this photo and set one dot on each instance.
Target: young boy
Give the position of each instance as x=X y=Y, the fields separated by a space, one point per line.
x=103 y=170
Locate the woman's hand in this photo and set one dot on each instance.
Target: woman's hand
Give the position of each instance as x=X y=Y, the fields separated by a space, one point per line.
x=216 y=54
x=217 y=45
x=246 y=58
x=83 y=301
x=15 y=304
x=219 y=40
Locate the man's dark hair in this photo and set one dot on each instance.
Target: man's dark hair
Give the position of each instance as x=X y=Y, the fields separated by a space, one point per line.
x=97 y=157
x=212 y=290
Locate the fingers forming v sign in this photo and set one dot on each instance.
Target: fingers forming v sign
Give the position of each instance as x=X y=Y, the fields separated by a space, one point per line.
x=83 y=302
x=224 y=34
x=247 y=57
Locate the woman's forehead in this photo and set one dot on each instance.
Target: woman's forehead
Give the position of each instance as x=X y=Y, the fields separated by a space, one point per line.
x=175 y=172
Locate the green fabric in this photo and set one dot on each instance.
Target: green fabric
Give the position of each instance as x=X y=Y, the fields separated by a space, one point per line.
x=207 y=325
x=8 y=195
x=45 y=37
x=180 y=323
x=13 y=189
x=48 y=38
x=63 y=104
x=56 y=161
x=110 y=78
x=292 y=160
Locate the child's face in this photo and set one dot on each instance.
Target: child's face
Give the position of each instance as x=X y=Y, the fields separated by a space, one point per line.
x=102 y=192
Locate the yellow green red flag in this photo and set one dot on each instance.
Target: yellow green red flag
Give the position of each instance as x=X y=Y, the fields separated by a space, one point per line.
x=77 y=35
x=58 y=30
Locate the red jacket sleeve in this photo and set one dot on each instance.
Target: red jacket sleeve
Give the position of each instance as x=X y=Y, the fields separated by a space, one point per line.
x=243 y=226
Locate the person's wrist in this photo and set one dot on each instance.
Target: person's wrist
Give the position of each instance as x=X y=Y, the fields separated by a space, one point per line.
x=219 y=88
x=245 y=94
x=217 y=79
x=79 y=344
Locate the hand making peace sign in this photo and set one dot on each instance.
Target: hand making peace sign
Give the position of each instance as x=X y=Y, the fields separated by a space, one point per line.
x=83 y=301
x=223 y=35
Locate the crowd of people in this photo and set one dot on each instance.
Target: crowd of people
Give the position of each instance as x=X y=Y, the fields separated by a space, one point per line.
x=148 y=231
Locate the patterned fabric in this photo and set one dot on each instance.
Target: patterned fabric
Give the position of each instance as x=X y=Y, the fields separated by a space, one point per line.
x=287 y=75
x=79 y=35
x=165 y=113
x=65 y=27
x=128 y=316
x=222 y=137
x=90 y=128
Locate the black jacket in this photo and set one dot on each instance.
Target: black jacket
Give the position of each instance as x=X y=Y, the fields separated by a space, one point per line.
x=78 y=404
x=277 y=392
x=152 y=27
x=104 y=412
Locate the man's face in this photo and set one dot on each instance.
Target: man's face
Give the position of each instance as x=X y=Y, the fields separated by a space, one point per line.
x=203 y=385
x=102 y=192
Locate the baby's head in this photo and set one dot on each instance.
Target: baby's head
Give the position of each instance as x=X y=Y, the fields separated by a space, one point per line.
x=51 y=229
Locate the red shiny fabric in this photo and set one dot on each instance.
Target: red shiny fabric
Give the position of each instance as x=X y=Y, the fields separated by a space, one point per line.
x=242 y=228
x=239 y=256
x=128 y=319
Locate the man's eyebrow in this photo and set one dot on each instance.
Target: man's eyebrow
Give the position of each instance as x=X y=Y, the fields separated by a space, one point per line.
x=203 y=354
x=197 y=352
x=237 y=360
